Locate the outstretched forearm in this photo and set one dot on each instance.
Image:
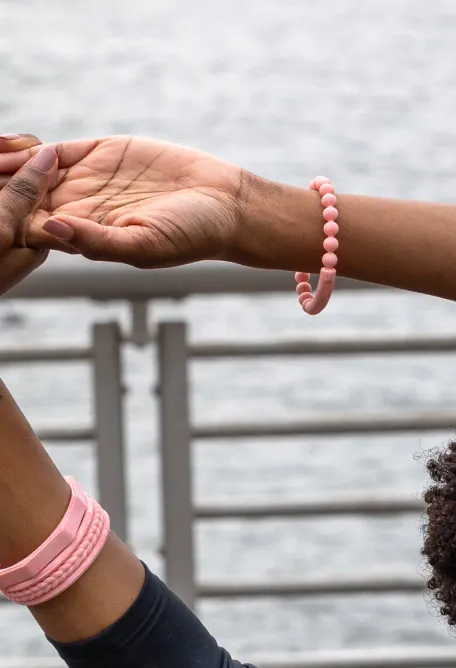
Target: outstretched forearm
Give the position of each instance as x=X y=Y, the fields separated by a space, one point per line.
x=33 y=499
x=401 y=244
x=163 y=205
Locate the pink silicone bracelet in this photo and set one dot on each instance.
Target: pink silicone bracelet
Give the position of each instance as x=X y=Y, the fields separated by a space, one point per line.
x=59 y=540
x=62 y=570
x=314 y=304
x=60 y=560
x=72 y=569
x=68 y=579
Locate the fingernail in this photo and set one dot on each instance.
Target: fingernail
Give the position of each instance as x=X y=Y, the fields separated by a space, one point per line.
x=10 y=136
x=58 y=229
x=44 y=159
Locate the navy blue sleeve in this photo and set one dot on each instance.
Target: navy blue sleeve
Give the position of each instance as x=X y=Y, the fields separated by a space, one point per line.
x=158 y=631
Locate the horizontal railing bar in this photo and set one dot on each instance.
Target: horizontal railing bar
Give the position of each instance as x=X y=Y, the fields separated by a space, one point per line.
x=384 y=657
x=49 y=354
x=354 y=346
x=359 y=346
x=335 y=505
x=332 y=424
x=339 y=586
x=227 y=349
x=63 y=433
x=79 y=278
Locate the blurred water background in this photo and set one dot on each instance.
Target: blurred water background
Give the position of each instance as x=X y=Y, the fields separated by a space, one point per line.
x=365 y=91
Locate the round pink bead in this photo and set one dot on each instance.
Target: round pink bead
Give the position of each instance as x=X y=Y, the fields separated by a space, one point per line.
x=312 y=185
x=331 y=229
x=329 y=260
x=303 y=287
x=330 y=213
x=320 y=180
x=329 y=200
x=302 y=276
x=326 y=189
x=330 y=244
x=302 y=299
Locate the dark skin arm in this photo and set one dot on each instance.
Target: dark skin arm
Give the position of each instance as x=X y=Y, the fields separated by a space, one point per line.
x=29 y=480
x=33 y=493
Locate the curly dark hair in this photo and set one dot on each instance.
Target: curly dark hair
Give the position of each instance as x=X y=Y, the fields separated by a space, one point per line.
x=439 y=530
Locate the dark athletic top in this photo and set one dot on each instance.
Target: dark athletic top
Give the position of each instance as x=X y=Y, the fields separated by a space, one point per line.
x=158 y=631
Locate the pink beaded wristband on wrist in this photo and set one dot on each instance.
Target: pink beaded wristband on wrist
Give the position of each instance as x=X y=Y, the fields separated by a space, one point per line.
x=64 y=557
x=314 y=304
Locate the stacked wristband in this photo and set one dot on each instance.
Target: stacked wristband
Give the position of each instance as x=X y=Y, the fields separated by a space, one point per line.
x=64 y=557
x=314 y=304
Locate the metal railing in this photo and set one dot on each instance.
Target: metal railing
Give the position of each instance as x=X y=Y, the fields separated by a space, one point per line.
x=177 y=430
x=177 y=433
x=106 y=282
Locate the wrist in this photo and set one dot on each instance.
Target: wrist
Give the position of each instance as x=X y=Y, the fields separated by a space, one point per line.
x=279 y=226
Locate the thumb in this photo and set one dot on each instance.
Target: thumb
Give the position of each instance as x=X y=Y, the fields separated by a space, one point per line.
x=130 y=245
x=23 y=194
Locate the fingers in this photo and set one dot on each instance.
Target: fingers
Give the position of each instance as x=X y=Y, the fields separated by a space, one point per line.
x=132 y=245
x=38 y=238
x=17 y=142
x=69 y=154
x=12 y=161
x=22 y=195
x=18 y=149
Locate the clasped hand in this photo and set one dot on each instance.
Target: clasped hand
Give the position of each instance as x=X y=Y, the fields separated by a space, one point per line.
x=138 y=201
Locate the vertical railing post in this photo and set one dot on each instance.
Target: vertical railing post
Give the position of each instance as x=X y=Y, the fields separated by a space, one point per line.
x=109 y=424
x=177 y=495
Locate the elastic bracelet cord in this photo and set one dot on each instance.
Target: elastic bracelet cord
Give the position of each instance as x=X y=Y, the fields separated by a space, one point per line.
x=46 y=579
x=314 y=304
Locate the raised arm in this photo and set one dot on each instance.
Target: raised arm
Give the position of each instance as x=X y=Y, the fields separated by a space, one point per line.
x=33 y=499
x=153 y=204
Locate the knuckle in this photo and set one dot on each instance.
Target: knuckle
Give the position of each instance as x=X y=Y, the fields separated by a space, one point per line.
x=23 y=189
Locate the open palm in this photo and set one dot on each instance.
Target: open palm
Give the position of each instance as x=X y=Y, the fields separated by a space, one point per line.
x=135 y=200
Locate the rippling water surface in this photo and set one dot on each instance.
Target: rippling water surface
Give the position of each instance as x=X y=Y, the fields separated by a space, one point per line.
x=364 y=91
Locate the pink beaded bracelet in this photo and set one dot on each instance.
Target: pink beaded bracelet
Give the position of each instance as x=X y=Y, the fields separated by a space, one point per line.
x=314 y=304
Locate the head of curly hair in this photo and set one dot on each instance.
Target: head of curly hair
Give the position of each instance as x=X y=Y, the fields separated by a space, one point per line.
x=439 y=530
